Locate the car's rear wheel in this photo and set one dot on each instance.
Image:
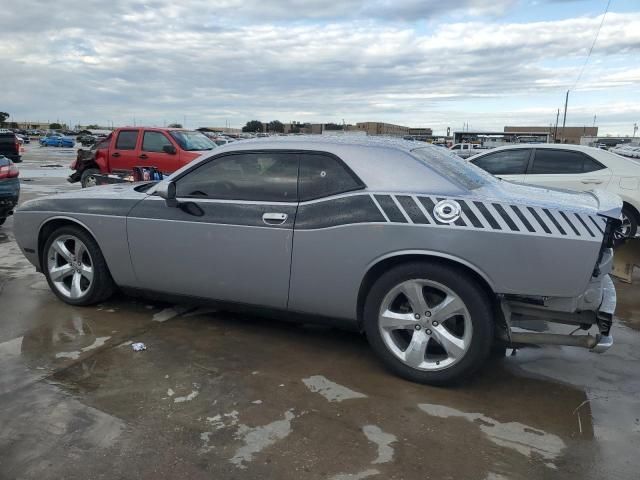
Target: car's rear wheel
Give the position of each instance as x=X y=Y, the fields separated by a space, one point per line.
x=88 y=177
x=75 y=268
x=429 y=322
x=629 y=226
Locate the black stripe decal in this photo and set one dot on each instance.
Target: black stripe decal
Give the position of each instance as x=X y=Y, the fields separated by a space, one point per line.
x=390 y=209
x=566 y=219
x=597 y=226
x=505 y=216
x=522 y=218
x=339 y=211
x=539 y=220
x=412 y=209
x=429 y=206
x=584 y=224
x=555 y=222
x=470 y=215
x=485 y=213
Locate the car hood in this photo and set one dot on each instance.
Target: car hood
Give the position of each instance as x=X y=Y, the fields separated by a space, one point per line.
x=595 y=202
x=115 y=199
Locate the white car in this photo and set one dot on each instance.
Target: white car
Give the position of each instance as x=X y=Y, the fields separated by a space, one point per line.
x=572 y=167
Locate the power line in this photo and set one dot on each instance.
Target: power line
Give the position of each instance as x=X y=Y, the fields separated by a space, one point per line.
x=586 y=60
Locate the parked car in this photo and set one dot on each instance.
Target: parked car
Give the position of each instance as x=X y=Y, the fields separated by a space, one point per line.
x=466 y=150
x=10 y=146
x=433 y=258
x=167 y=149
x=9 y=187
x=573 y=167
x=57 y=141
x=25 y=138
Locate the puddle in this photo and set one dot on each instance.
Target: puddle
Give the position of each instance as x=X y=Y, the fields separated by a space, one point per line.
x=522 y=438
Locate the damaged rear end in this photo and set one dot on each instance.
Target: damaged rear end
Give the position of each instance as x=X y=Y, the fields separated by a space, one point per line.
x=527 y=318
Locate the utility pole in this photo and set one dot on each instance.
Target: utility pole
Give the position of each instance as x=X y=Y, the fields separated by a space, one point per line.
x=555 y=132
x=594 y=120
x=564 y=118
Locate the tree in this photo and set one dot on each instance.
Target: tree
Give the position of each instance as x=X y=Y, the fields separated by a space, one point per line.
x=333 y=126
x=276 y=126
x=55 y=126
x=175 y=125
x=253 y=126
x=3 y=118
x=93 y=127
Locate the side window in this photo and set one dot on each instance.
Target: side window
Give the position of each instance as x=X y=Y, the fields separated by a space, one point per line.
x=154 y=141
x=455 y=147
x=322 y=176
x=552 y=162
x=269 y=177
x=590 y=165
x=507 y=162
x=127 y=140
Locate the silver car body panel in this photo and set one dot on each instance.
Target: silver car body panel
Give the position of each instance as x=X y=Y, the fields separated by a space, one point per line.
x=522 y=240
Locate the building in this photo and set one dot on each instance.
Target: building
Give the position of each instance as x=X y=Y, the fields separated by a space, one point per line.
x=225 y=130
x=564 y=135
x=498 y=139
x=32 y=125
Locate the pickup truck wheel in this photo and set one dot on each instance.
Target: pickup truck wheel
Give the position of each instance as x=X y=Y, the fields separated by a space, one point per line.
x=74 y=267
x=429 y=322
x=88 y=177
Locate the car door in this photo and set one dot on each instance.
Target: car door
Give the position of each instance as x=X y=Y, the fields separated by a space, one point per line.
x=327 y=199
x=124 y=156
x=230 y=236
x=510 y=164
x=152 y=153
x=568 y=169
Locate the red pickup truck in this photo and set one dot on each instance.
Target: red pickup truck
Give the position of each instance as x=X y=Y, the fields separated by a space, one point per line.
x=167 y=149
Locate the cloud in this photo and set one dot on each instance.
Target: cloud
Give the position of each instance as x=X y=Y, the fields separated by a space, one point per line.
x=293 y=60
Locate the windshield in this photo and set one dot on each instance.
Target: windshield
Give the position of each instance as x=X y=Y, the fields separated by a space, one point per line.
x=453 y=167
x=192 y=140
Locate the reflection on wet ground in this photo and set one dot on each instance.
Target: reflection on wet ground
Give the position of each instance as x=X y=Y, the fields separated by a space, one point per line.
x=219 y=395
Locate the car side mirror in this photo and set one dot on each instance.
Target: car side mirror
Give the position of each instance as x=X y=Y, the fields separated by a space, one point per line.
x=169 y=149
x=167 y=190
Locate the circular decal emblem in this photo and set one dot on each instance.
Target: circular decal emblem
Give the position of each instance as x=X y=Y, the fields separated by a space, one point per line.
x=447 y=211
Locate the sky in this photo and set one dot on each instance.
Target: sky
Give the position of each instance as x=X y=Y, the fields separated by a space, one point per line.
x=428 y=63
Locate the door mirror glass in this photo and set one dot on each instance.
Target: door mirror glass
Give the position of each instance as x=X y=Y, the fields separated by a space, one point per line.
x=167 y=190
x=169 y=149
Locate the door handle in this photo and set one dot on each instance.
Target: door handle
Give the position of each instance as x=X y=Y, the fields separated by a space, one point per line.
x=143 y=156
x=116 y=154
x=592 y=180
x=274 y=218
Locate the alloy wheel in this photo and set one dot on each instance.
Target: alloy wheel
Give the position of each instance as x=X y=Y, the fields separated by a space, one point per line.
x=425 y=324
x=624 y=229
x=70 y=266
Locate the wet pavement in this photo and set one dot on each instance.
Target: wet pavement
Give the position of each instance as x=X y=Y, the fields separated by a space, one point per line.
x=220 y=395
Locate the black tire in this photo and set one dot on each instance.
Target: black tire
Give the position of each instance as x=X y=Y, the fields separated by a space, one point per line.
x=2 y=220
x=87 y=175
x=633 y=221
x=102 y=286
x=472 y=295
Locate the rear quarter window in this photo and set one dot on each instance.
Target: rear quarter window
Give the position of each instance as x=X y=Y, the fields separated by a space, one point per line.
x=453 y=168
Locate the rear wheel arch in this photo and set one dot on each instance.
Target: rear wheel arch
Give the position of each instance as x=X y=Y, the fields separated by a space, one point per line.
x=53 y=224
x=626 y=205
x=394 y=260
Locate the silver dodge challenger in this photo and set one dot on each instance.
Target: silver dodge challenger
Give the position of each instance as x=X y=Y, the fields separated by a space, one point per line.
x=438 y=262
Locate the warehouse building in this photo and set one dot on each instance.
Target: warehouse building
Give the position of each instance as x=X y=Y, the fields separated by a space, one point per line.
x=381 y=128
x=563 y=135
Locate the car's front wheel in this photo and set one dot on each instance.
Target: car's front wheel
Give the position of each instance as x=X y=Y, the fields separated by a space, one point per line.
x=88 y=177
x=429 y=322
x=75 y=268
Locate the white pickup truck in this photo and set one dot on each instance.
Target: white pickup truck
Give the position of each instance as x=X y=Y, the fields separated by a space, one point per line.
x=466 y=150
